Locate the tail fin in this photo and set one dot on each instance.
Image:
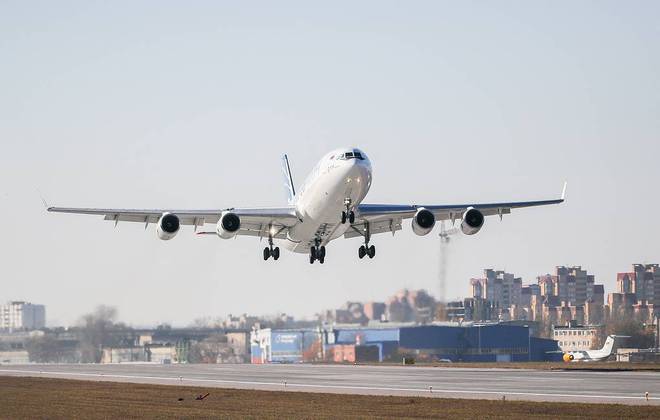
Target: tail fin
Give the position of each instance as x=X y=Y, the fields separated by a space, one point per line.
x=288 y=180
x=613 y=342
x=609 y=345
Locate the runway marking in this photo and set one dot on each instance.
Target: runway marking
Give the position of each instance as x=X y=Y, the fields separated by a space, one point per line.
x=181 y=379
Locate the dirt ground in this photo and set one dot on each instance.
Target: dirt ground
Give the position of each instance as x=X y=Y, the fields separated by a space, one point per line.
x=46 y=398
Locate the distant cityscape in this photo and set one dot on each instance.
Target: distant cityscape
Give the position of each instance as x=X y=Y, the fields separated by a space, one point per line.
x=570 y=295
x=566 y=310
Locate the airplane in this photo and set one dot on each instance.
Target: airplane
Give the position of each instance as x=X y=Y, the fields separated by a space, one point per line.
x=327 y=206
x=593 y=355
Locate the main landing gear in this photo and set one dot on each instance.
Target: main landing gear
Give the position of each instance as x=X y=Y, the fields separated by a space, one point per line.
x=317 y=252
x=366 y=250
x=271 y=251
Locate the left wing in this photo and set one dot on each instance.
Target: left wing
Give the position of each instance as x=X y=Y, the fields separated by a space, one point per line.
x=254 y=221
x=388 y=217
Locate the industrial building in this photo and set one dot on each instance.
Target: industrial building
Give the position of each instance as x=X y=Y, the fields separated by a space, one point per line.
x=286 y=346
x=467 y=343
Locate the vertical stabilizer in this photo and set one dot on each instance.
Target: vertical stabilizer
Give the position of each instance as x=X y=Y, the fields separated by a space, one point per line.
x=288 y=180
x=613 y=342
x=609 y=345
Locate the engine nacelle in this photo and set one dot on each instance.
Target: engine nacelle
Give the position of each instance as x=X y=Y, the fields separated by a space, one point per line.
x=228 y=225
x=472 y=222
x=168 y=226
x=423 y=222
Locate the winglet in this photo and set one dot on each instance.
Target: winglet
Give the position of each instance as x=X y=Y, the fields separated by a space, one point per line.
x=288 y=180
x=43 y=200
x=563 y=191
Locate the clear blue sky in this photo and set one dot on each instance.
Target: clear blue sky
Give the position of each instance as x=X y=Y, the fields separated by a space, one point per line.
x=190 y=104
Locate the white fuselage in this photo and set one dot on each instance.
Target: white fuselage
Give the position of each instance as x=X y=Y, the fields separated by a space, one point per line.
x=591 y=355
x=333 y=184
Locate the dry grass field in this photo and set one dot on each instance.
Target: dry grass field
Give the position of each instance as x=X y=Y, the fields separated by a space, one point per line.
x=45 y=398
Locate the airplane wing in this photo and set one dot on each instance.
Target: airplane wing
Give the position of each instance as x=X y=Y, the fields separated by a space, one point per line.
x=388 y=217
x=254 y=221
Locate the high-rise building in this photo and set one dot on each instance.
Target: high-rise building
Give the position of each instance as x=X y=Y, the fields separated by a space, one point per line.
x=374 y=310
x=647 y=283
x=644 y=282
x=18 y=315
x=625 y=282
x=572 y=285
x=498 y=287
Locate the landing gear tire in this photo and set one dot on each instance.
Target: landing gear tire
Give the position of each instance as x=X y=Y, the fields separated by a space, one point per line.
x=276 y=253
x=267 y=253
x=351 y=217
x=317 y=253
x=321 y=254
x=312 y=255
x=343 y=217
x=371 y=251
x=362 y=252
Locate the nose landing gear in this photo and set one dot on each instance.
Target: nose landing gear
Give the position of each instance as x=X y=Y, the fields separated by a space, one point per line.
x=348 y=214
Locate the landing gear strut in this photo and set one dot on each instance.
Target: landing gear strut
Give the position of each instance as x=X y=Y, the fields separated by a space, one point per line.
x=317 y=252
x=348 y=213
x=271 y=251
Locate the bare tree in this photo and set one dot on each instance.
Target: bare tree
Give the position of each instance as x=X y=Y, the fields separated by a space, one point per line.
x=98 y=330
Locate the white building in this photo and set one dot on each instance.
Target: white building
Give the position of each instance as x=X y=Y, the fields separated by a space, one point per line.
x=578 y=337
x=19 y=315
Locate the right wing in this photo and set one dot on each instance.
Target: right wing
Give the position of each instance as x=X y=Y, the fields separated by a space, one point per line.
x=379 y=218
x=254 y=221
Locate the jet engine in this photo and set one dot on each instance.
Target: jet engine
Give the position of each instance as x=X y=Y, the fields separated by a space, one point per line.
x=228 y=225
x=168 y=226
x=472 y=222
x=423 y=222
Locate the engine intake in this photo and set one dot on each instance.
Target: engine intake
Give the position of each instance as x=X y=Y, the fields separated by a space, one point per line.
x=423 y=222
x=168 y=226
x=472 y=222
x=228 y=225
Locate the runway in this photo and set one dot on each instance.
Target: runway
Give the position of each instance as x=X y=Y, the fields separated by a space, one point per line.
x=521 y=384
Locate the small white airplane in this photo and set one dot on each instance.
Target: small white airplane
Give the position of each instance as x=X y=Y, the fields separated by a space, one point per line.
x=594 y=355
x=327 y=206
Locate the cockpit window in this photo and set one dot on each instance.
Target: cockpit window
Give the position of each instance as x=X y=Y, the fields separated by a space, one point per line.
x=350 y=155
